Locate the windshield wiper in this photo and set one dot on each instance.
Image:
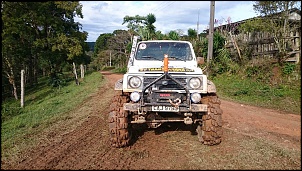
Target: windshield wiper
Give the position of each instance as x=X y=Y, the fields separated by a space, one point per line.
x=177 y=58
x=150 y=57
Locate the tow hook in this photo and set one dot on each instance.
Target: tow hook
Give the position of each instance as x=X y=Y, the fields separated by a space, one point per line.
x=188 y=120
x=177 y=102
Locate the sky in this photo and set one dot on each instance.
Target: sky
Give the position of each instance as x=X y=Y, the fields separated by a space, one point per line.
x=101 y=17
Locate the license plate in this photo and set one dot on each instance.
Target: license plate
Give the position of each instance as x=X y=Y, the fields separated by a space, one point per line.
x=165 y=109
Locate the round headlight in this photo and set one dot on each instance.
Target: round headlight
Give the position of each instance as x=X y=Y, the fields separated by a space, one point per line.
x=194 y=83
x=195 y=97
x=135 y=96
x=135 y=82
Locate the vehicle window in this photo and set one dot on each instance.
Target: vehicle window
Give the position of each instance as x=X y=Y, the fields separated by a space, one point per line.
x=156 y=50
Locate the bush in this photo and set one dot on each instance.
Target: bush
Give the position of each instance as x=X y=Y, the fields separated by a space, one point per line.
x=107 y=68
x=120 y=70
x=288 y=68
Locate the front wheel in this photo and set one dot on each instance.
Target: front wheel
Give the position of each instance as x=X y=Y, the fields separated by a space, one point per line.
x=119 y=127
x=210 y=130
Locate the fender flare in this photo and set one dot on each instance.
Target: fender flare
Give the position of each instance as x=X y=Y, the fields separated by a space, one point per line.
x=211 y=87
x=119 y=85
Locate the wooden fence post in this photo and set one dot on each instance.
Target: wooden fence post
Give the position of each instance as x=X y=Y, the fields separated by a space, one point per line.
x=82 y=71
x=75 y=74
x=22 y=88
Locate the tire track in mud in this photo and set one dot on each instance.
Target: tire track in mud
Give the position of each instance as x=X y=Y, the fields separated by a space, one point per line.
x=82 y=142
x=69 y=150
x=85 y=147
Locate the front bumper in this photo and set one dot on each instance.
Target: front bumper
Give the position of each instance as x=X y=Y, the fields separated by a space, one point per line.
x=134 y=107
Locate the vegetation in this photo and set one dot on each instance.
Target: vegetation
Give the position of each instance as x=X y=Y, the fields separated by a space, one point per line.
x=40 y=38
x=44 y=40
x=283 y=97
x=277 y=25
x=46 y=50
x=45 y=106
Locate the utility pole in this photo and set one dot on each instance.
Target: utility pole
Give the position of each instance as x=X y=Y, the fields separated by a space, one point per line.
x=210 y=36
x=110 y=59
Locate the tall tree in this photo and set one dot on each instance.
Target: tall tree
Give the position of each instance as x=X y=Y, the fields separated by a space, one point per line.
x=137 y=24
x=274 y=19
x=150 y=20
x=118 y=44
x=192 y=33
x=173 y=35
x=159 y=35
x=102 y=43
x=144 y=33
x=134 y=22
x=36 y=33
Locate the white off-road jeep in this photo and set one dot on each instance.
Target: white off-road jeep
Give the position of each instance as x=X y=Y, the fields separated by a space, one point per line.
x=163 y=83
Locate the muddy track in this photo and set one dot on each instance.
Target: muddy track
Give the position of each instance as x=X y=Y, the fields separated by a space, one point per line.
x=82 y=140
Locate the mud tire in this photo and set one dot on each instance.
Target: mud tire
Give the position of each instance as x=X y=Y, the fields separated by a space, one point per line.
x=119 y=127
x=209 y=132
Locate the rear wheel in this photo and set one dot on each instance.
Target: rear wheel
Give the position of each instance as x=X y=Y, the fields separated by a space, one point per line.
x=119 y=126
x=210 y=130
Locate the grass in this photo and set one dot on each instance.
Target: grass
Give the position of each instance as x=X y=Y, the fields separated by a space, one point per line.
x=42 y=108
x=45 y=106
x=236 y=152
x=282 y=97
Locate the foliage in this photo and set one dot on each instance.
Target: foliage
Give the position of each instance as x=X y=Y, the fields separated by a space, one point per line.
x=58 y=80
x=134 y=21
x=218 y=43
x=108 y=68
x=254 y=92
x=265 y=8
x=223 y=63
x=138 y=23
x=91 y=46
x=173 y=35
x=150 y=20
x=159 y=35
x=118 y=44
x=192 y=33
x=274 y=19
x=40 y=36
x=101 y=43
x=44 y=107
x=111 y=47
x=122 y=70
x=144 y=33
x=288 y=68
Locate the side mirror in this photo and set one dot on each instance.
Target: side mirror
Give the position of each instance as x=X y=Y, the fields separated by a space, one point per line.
x=200 y=60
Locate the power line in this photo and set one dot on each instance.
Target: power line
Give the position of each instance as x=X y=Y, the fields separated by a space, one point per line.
x=165 y=6
x=160 y=5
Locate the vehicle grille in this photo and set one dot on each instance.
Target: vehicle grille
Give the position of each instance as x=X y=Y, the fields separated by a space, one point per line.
x=171 y=85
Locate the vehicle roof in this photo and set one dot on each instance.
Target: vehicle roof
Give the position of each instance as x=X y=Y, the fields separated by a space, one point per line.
x=182 y=41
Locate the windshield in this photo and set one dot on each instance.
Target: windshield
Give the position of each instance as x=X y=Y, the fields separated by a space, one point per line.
x=156 y=50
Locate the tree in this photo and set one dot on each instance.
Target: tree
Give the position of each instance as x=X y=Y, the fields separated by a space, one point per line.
x=141 y=24
x=274 y=19
x=39 y=35
x=101 y=43
x=118 y=44
x=159 y=35
x=144 y=33
x=173 y=35
x=192 y=33
x=149 y=21
x=134 y=22
x=218 y=44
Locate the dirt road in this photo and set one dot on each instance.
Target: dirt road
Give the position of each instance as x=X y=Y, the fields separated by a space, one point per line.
x=254 y=138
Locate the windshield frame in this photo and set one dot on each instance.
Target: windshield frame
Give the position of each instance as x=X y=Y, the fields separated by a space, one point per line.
x=155 y=50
